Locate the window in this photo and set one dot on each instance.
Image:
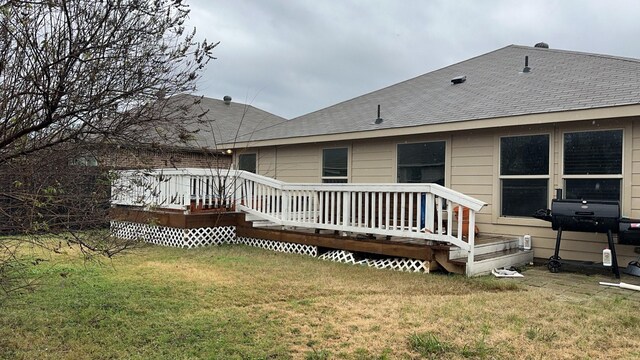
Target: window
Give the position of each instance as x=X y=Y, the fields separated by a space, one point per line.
x=593 y=165
x=421 y=162
x=524 y=174
x=334 y=165
x=247 y=162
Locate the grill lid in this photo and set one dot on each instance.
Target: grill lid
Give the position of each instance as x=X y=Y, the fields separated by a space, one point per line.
x=585 y=215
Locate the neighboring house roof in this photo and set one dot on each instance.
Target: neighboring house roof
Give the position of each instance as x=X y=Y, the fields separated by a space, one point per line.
x=212 y=122
x=495 y=87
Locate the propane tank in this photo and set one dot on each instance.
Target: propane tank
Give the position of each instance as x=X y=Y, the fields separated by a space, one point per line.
x=606 y=257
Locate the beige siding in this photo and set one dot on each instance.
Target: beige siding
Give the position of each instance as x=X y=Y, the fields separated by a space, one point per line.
x=472 y=164
x=267 y=162
x=373 y=162
x=300 y=164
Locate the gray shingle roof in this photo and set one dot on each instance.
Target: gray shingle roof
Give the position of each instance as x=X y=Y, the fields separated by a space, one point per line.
x=495 y=87
x=221 y=123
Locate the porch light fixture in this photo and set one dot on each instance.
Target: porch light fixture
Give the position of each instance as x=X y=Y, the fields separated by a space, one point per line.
x=229 y=151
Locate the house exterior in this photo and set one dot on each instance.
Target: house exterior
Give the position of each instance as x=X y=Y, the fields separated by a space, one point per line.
x=507 y=127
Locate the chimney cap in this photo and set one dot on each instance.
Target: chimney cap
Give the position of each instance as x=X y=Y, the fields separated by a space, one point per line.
x=227 y=99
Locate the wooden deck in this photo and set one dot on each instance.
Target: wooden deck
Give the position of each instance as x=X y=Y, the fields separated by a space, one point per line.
x=436 y=253
x=393 y=247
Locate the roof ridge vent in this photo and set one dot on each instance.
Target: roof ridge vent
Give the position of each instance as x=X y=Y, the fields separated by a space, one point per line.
x=459 y=79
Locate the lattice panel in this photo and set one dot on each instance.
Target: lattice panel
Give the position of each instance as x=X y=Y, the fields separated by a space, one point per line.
x=278 y=246
x=400 y=264
x=190 y=238
x=210 y=236
x=168 y=236
x=159 y=235
x=340 y=256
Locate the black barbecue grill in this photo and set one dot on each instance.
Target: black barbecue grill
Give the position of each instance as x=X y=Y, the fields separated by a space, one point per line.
x=597 y=216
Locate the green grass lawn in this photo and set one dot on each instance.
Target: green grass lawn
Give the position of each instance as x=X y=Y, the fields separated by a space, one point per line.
x=236 y=302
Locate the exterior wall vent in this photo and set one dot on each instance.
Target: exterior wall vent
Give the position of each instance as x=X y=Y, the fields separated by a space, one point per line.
x=458 y=79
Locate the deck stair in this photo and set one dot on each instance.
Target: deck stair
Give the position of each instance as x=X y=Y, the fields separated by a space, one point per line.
x=493 y=252
x=259 y=222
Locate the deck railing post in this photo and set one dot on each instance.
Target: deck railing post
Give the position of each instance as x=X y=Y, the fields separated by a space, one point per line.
x=184 y=191
x=430 y=208
x=471 y=242
x=286 y=199
x=237 y=190
x=346 y=207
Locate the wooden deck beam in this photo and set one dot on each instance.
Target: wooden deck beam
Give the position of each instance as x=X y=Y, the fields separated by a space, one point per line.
x=380 y=247
x=176 y=219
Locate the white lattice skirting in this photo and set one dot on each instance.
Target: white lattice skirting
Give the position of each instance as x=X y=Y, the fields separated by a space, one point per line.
x=280 y=246
x=190 y=238
x=400 y=264
x=168 y=236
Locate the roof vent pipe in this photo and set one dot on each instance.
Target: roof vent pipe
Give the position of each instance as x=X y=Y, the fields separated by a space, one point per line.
x=526 y=65
x=542 y=45
x=378 y=119
x=227 y=99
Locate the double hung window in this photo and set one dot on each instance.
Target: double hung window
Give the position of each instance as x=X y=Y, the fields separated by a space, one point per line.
x=524 y=174
x=335 y=165
x=593 y=165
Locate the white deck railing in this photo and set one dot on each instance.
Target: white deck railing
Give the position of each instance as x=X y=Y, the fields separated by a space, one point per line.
x=421 y=211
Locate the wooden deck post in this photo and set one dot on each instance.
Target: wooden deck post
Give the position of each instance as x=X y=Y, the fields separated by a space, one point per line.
x=346 y=208
x=471 y=242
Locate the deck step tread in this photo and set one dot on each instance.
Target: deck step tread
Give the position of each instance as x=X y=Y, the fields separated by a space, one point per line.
x=488 y=256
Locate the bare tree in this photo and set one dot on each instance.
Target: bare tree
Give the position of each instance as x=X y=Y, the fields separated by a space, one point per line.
x=78 y=77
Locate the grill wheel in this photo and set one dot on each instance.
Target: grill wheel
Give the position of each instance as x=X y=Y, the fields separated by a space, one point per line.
x=554 y=264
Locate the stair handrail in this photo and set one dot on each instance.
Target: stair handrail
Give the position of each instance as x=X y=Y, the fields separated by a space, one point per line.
x=439 y=190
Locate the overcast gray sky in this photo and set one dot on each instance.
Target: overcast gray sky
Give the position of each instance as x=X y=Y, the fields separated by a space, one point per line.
x=292 y=57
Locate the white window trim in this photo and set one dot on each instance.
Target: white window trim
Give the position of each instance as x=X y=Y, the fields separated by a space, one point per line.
x=447 y=160
x=620 y=176
x=348 y=177
x=497 y=186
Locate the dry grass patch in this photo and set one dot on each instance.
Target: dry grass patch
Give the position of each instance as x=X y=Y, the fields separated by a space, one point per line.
x=240 y=302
